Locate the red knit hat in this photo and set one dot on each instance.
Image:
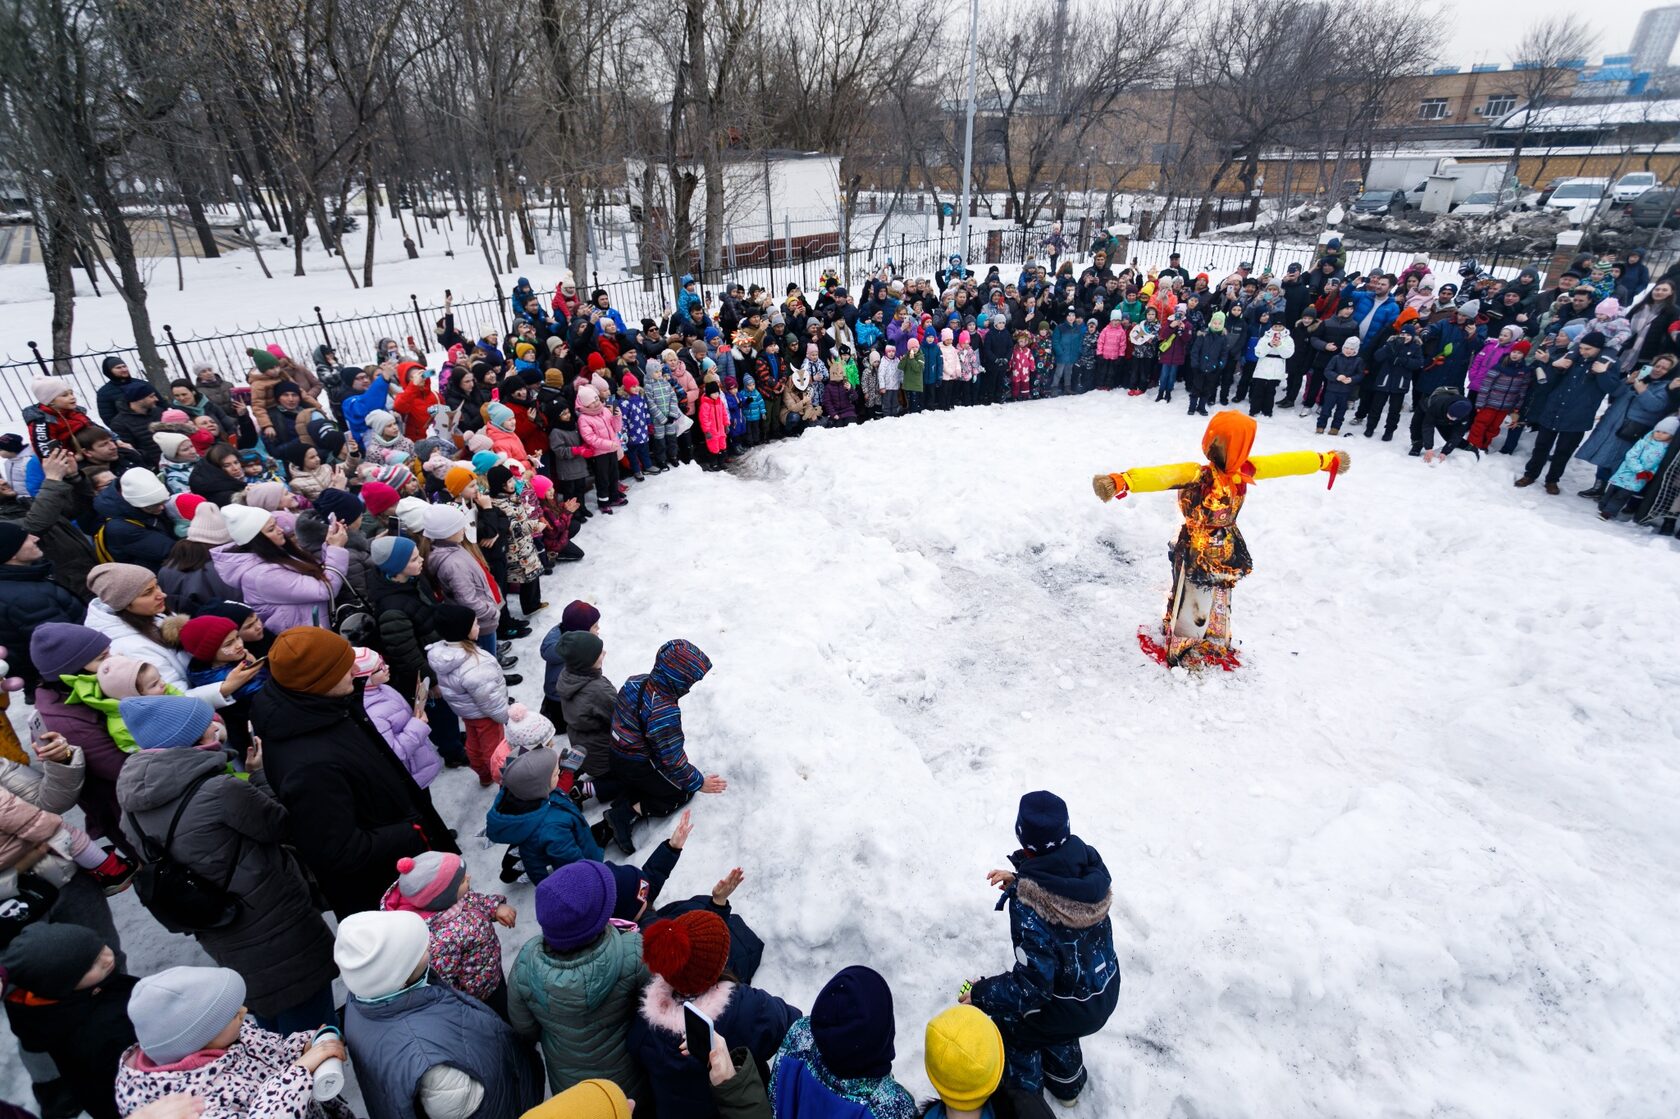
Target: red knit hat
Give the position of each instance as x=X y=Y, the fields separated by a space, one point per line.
x=204 y=635
x=379 y=498
x=1522 y=347
x=595 y=362
x=202 y=440
x=688 y=953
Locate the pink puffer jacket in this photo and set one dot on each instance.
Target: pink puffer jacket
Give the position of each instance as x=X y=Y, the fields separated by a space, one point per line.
x=600 y=431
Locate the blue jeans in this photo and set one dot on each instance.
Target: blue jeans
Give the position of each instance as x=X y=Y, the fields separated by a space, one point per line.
x=913 y=401
x=310 y=1014
x=487 y=642
x=1169 y=378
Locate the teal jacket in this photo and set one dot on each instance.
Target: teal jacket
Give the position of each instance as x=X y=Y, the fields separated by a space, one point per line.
x=580 y=1005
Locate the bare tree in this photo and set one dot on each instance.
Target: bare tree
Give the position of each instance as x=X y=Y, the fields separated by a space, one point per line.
x=1542 y=76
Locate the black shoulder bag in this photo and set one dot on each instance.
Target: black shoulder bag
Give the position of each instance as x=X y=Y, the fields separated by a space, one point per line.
x=182 y=899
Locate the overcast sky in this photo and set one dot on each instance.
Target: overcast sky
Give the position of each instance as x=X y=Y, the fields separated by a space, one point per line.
x=1489 y=30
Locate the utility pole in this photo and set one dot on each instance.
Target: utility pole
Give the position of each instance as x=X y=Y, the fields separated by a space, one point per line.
x=968 y=133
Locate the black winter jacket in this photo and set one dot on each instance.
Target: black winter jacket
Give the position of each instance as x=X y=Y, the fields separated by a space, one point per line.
x=352 y=808
x=53 y=517
x=132 y=535
x=406 y=613
x=28 y=598
x=84 y=1033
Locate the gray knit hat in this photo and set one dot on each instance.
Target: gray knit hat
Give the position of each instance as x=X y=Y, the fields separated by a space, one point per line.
x=530 y=776
x=180 y=1010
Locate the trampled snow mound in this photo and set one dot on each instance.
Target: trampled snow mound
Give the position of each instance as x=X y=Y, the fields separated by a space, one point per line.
x=1417 y=857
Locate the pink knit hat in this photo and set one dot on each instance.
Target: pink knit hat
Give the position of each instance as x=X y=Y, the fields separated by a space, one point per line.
x=119 y=676
x=367 y=663
x=428 y=882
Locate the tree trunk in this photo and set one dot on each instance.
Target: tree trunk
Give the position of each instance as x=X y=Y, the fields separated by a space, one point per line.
x=58 y=255
x=373 y=223
x=577 y=217
x=130 y=284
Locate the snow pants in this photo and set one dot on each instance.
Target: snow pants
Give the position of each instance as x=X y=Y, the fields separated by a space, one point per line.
x=1260 y=394
x=1034 y=1061
x=639 y=783
x=1334 y=409
x=1486 y=426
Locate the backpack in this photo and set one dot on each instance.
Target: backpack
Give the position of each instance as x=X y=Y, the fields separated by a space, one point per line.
x=183 y=900
x=101 y=551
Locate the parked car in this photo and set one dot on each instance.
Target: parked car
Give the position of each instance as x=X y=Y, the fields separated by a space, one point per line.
x=1657 y=207
x=1380 y=202
x=1490 y=202
x=1631 y=185
x=1551 y=188
x=1583 y=195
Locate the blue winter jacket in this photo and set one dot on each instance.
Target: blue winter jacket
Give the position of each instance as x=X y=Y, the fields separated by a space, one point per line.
x=933 y=364
x=633 y=412
x=1066 y=975
x=687 y=299
x=1065 y=342
x=132 y=535
x=1642 y=458
x=647 y=721
x=354 y=409
x=803 y=1088
x=548 y=836
x=1362 y=301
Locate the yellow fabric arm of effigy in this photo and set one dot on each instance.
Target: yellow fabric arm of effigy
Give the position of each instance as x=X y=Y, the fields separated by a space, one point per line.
x=1152 y=479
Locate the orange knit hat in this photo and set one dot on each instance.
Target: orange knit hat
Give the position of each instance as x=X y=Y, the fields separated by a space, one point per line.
x=458 y=479
x=310 y=659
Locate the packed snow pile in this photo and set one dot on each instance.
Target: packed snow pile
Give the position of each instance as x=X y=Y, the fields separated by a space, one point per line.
x=1417 y=857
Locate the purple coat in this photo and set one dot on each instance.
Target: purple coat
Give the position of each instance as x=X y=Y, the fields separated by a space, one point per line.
x=283 y=598
x=85 y=727
x=837 y=401
x=1493 y=352
x=409 y=738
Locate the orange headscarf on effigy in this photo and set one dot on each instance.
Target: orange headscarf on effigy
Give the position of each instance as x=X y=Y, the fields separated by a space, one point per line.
x=1226 y=443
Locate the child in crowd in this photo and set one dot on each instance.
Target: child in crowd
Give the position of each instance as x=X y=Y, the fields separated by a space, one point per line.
x=575 y=987
x=216 y=650
x=649 y=759
x=460 y=924
x=192 y=1036
x=118 y=678
x=1021 y=367
x=577 y=615
x=752 y=412
x=838 y=1060
x=532 y=815
x=588 y=699
x=1342 y=378
x=714 y=422
x=891 y=379
x=472 y=684
x=557 y=523
x=400 y=723
x=633 y=411
x=1638 y=467
x=1112 y=343
x=1502 y=392
x=411 y=1039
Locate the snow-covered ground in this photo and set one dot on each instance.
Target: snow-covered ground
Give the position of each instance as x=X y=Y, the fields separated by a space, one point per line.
x=1417 y=858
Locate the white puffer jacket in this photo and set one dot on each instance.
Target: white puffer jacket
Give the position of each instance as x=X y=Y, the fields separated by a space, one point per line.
x=471 y=681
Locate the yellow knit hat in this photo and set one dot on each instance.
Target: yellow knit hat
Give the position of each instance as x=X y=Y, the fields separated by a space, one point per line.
x=592 y=1099
x=964 y=1057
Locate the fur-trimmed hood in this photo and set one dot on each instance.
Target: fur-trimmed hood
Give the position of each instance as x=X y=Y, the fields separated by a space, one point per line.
x=662 y=1009
x=1059 y=910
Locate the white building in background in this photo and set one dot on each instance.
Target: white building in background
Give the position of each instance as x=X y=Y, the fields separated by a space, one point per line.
x=1653 y=41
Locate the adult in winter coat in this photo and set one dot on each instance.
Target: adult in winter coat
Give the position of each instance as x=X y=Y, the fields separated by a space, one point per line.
x=284 y=584
x=404 y=609
x=687 y=957
x=1575 y=385
x=1066 y=978
x=649 y=756
x=1636 y=404
x=1448 y=347
x=574 y=987
x=28 y=598
x=1398 y=360
x=109 y=397
x=230 y=831
x=51 y=518
x=217 y=476
x=130 y=610
x=352 y=808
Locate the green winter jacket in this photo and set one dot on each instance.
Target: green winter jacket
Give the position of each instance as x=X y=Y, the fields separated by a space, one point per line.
x=580 y=1005
x=911 y=370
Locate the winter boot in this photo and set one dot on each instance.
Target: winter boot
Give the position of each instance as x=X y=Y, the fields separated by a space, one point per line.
x=1523 y=482
x=56 y=1099
x=1318 y=431
x=1552 y=488
x=113 y=874
x=512 y=869
x=1335 y=431
x=1594 y=490
x=602 y=833
x=621 y=818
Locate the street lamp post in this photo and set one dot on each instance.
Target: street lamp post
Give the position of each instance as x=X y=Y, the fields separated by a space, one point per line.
x=244 y=204
x=968 y=128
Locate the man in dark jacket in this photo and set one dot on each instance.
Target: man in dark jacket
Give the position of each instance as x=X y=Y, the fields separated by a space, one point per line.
x=352 y=808
x=1575 y=385
x=52 y=518
x=29 y=598
x=133 y=422
x=1066 y=978
x=1448 y=346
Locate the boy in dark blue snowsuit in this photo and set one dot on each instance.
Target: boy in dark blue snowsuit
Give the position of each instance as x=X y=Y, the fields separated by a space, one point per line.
x=1066 y=978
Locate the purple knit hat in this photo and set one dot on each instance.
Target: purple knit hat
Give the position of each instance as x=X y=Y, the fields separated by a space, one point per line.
x=63 y=648
x=574 y=903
